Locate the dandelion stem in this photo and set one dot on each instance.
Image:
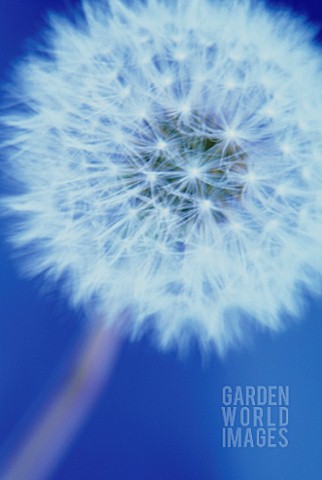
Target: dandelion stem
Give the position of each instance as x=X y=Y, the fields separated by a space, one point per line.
x=61 y=418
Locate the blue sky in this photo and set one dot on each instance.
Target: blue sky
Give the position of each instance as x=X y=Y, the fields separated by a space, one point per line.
x=159 y=417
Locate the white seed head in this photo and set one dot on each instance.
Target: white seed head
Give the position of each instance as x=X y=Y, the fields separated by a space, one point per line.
x=167 y=160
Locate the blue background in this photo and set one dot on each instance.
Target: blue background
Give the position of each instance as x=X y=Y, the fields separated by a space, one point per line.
x=160 y=416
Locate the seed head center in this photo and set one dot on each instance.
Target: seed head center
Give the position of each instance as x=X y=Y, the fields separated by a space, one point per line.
x=191 y=171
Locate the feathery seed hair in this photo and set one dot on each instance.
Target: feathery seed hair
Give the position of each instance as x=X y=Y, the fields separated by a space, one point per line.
x=168 y=160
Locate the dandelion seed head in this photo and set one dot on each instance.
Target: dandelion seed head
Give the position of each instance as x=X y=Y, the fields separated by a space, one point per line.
x=167 y=156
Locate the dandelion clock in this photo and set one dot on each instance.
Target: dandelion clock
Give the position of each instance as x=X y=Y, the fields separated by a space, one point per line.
x=165 y=159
